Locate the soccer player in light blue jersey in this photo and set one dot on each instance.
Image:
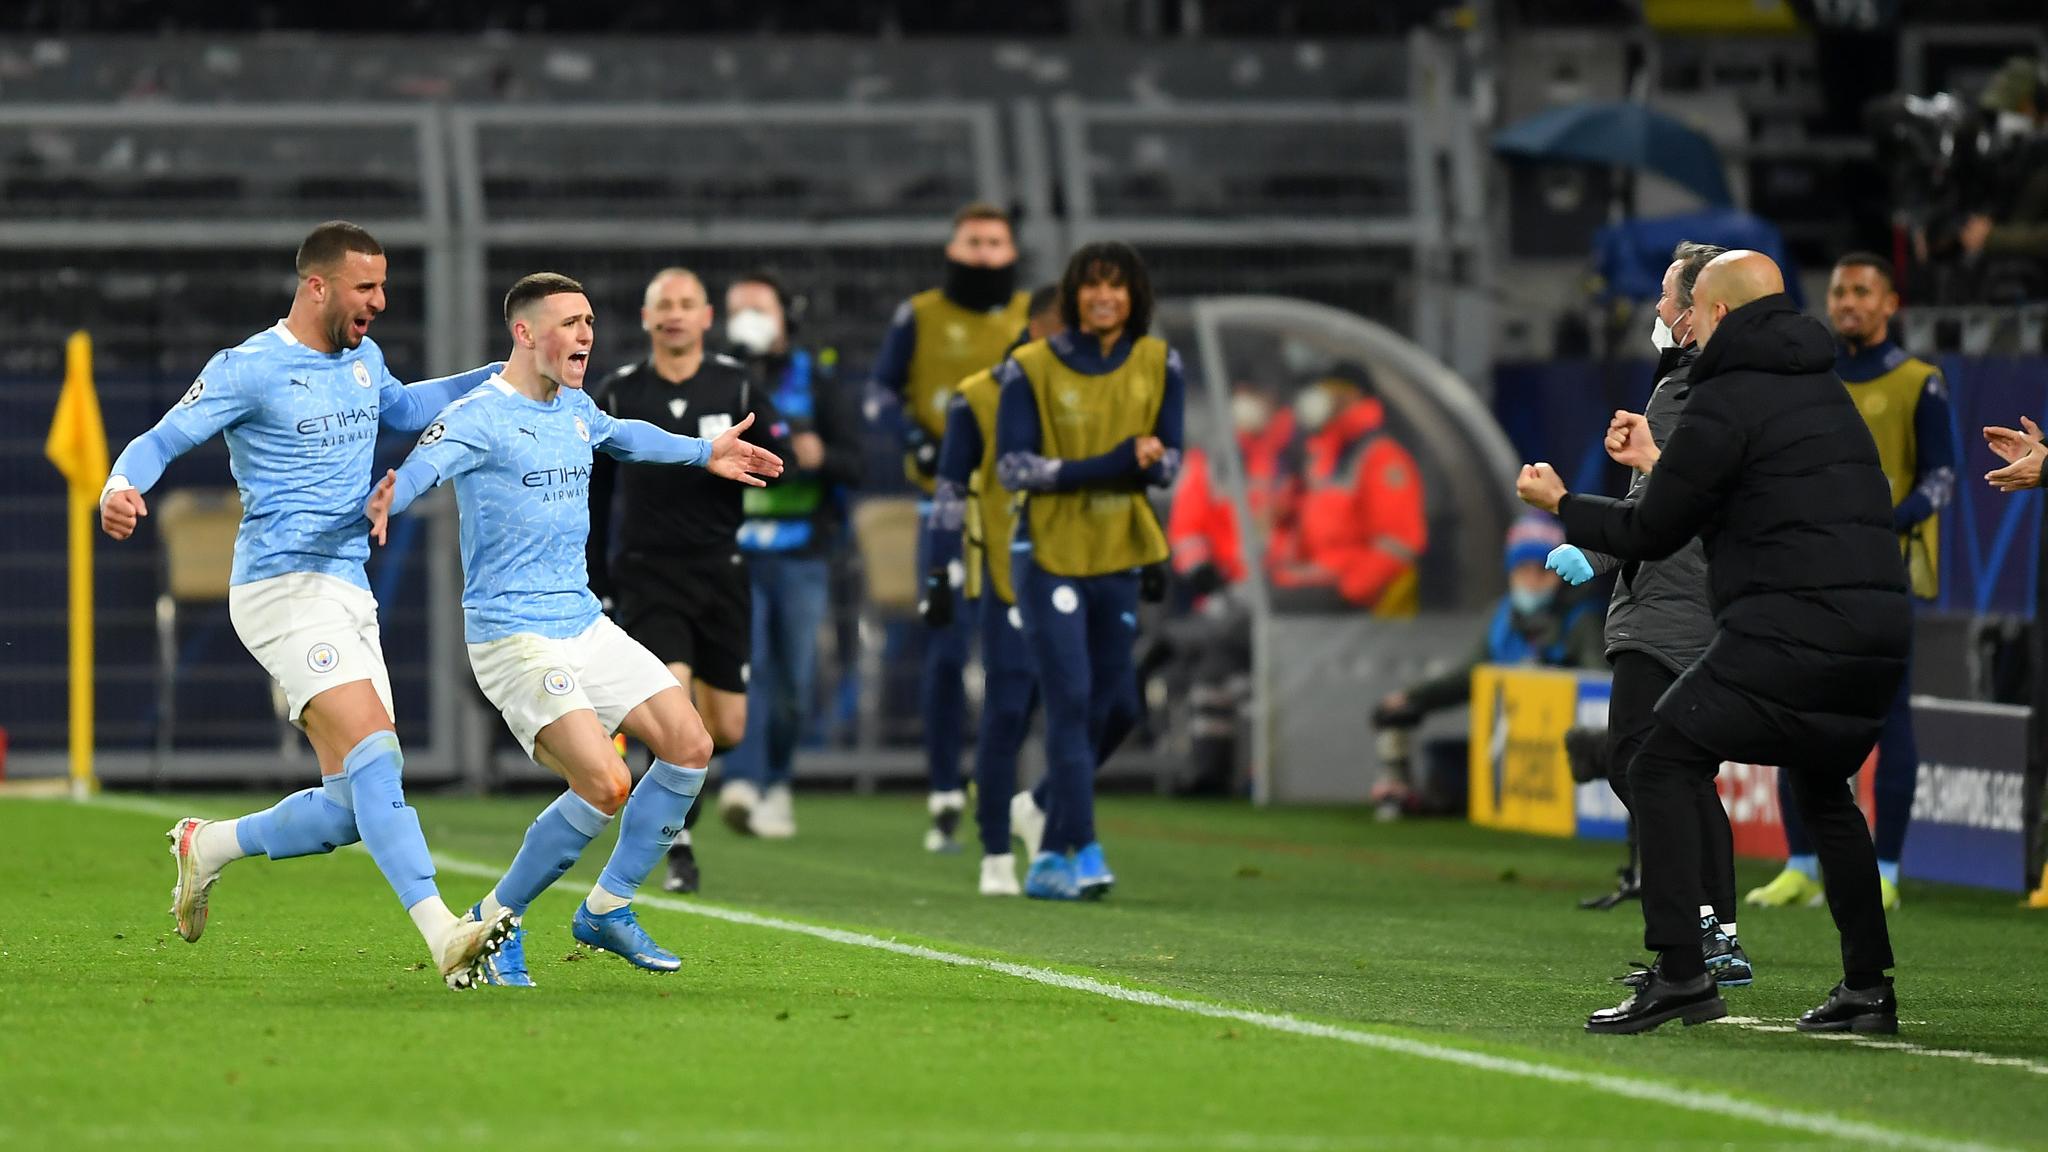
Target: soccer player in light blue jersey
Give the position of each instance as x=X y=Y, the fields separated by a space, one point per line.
x=518 y=451
x=300 y=404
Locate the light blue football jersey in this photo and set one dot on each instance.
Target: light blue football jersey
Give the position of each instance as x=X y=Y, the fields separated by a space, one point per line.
x=301 y=429
x=521 y=471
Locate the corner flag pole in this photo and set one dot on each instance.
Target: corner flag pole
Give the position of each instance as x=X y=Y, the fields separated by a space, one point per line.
x=78 y=447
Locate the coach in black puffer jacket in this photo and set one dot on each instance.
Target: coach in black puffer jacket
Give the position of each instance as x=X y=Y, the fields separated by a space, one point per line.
x=1803 y=572
x=1774 y=471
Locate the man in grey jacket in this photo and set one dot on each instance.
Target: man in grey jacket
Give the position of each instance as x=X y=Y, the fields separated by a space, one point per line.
x=1659 y=622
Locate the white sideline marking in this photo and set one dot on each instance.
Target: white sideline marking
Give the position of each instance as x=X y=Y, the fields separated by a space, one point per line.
x=1718 y=1104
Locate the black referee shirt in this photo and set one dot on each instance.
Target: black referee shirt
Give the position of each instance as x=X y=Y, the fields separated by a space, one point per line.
x=667 y=509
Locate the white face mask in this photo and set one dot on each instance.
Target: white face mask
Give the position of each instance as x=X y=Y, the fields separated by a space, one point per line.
x=1314 y=407
x=1248 y=413
x=753 y=330
x=1662 y=336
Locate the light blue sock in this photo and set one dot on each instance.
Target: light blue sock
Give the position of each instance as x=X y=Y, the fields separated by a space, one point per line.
x=552 y=844
x=304 y=823
x=389 y=827
x=653 y=816
x=1808 y=866
x=1889 y=869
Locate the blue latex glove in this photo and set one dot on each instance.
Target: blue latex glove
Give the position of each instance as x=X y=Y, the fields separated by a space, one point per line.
x=1569 y=563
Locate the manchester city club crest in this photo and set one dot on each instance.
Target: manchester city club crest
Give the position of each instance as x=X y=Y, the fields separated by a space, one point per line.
x=322 y=658
x=362 y=374
x=582 y=430
x=557 y=682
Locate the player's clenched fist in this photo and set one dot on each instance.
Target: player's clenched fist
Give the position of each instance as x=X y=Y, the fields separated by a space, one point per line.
x=119 y=510
x=1540 y=487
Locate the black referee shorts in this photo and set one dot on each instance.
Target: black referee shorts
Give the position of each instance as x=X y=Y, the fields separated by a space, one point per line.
x=697 y=611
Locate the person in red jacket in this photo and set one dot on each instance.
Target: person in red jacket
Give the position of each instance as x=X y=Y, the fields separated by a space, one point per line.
x=1356 y=528
x=1208 y=552
x=1214 y=641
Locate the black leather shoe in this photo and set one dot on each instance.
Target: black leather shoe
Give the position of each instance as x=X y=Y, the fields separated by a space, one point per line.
x=1847 y=1010
x=682 y=870
x=1629 y=888
x=1657 y=1000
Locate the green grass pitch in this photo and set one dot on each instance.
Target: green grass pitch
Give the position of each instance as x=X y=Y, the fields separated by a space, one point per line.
x=1423 y=987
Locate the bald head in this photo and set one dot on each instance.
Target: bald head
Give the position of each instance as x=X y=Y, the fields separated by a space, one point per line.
x=676 y=313
x=1729 y=281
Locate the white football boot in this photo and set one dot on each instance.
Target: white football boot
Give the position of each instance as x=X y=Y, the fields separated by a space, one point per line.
x=774 y=817
x=195 y=878
x=736 y=804
x=466 y=948
x=999 y=876
x=1027 y=823
x=947 y=809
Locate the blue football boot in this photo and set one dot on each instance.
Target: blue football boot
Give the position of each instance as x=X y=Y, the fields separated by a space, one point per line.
x=1051 y=878
x=505 y=968
x=1091 y=872
x=619 y=932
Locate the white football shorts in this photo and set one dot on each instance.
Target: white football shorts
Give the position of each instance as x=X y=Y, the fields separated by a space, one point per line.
x=534 y=681
x=311 y=632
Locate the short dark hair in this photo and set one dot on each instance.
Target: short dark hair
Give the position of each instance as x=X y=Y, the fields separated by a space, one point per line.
x=1111 y=260
x=1871 y=260
x=326 y=245
x=1044 y=298
x=1692 y=258
x=768 y=279
x=538 y=286
x=982 y=210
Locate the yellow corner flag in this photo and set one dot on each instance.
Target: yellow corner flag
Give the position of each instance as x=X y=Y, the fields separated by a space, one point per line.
x=78 y=447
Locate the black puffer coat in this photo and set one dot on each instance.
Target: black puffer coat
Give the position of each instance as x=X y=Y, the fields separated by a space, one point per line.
x=1776 y=473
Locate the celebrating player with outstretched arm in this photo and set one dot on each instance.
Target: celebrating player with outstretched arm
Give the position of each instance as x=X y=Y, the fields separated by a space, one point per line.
x=518 y=450
x=299 y=404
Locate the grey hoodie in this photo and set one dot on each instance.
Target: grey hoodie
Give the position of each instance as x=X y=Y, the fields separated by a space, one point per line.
x=1660 y=607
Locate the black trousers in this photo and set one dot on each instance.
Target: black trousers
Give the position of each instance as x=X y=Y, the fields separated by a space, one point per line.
x=1671 y=780
x=1640 y=680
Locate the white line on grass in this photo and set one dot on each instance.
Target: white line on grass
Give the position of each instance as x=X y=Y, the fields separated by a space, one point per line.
x=1822 y=1124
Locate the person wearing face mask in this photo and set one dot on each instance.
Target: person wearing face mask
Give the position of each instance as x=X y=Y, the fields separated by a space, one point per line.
x=1904 y=400
x=663 y=541
x=1214 y=641
x=1355 y=527
x=1658 y=622
x=1536 y=622
x=969 y=533
x=938 y=338
x=1775 y=473
x=790 y=530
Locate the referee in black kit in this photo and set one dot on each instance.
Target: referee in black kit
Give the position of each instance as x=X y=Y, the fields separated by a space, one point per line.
x=678 y=582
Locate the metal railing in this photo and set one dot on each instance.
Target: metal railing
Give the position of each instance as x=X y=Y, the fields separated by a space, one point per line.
x=144 y=202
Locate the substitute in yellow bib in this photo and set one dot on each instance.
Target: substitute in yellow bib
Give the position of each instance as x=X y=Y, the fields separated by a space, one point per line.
x=938 y=338
x=969 y=537
x=1905 y=402
x=1085 y=423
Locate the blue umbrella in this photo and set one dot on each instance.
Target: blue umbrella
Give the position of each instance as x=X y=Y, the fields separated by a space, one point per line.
x=1621 y=135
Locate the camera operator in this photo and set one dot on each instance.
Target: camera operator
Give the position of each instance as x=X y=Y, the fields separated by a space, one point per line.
x=2018 y=97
